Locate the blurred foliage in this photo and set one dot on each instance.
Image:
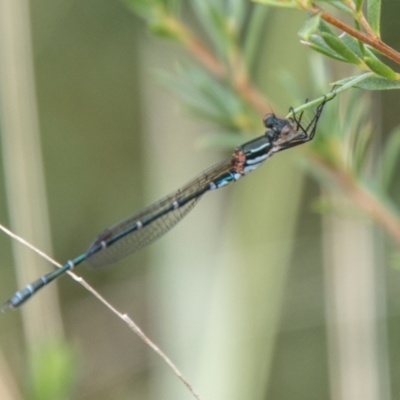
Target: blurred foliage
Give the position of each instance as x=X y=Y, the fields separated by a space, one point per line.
x=54 y=372
x=208 y=98
x=218 y=87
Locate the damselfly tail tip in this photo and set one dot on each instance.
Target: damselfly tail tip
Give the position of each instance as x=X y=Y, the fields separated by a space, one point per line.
x=12 y=303
x=7 y=306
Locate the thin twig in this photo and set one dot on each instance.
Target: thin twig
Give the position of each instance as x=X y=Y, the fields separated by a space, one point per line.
x=361 y=19
x=124 y=317
x=364 y=23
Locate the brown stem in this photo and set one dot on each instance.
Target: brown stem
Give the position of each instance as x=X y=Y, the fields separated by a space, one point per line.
x=364 y=198
x=374 y=42
x=364 y=23
x=239 y=79
x=361 y=19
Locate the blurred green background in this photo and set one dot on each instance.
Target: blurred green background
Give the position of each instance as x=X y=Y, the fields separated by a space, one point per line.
x=238 y=293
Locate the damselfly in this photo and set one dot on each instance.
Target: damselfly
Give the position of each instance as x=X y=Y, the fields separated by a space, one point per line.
x=139 y=230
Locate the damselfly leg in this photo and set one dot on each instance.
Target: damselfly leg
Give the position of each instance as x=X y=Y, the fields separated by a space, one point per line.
x=304 y=133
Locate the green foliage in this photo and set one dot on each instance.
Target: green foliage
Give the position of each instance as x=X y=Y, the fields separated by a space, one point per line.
x=207 y=98
x=379 y=67
x=220 y=26
x=369 y=81
x=390 y=158
x=347 y=49
x=343 y=140
x=374 y=15
x=343 y=47
x=340 y=48
x=224 y=22
x=359 y=4
x=318 y=44
x=253 y=34
x=54 y=373
x=355 y=45
x=204 y=94
x=310 y=26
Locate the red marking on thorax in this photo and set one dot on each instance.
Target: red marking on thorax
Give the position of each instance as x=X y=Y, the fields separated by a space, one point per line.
x=238 y=160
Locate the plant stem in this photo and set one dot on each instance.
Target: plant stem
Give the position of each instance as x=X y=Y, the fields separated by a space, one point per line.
x=361 y=19
x=374 y=41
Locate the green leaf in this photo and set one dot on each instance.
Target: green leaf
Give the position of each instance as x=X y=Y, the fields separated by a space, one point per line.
x=378 y=83
x=339 y=47
x=390 y=158
x=318 y=44
x=359 y=4
x=352 y=81
x=322 y=50
x=356 y=46
x=324 y=27
x=369 y=81
x=379 y=67
x=374 y=15
x=310 y=27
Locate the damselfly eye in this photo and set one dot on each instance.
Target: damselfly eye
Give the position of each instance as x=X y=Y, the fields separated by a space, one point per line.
x=269 y=120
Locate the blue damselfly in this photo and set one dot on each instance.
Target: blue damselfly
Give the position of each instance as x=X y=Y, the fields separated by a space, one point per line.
x=139 y=230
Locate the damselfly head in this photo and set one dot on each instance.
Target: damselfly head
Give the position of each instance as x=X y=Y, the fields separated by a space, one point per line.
x=269 y=120
x=279 y=130
x=272 y=122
